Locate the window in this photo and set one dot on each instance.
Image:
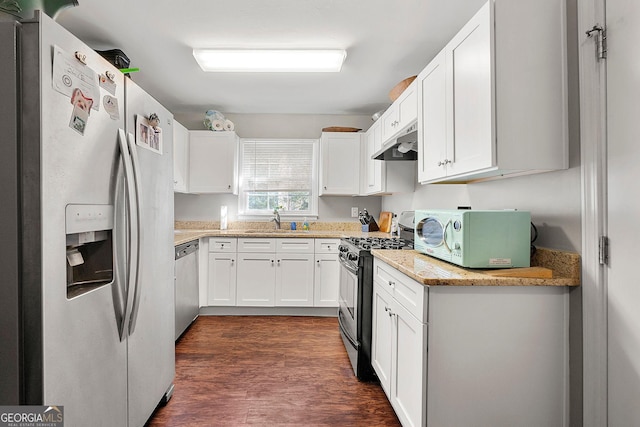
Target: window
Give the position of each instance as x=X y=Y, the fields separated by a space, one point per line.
x=277 y=173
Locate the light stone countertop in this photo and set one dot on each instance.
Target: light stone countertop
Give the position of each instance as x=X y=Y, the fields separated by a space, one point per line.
x=422 y=268
x=188 y=231
x=434 y=272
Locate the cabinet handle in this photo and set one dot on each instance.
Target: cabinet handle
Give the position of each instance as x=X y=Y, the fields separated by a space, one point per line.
x=325 y=187
x=221 y=245
x=228 y=187
x=389 y=312
x=175 y=182
x=318 y=261
x=232 y=261
x=392 y=284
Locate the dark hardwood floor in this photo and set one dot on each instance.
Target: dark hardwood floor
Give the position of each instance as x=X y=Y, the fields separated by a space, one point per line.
x=269 y=371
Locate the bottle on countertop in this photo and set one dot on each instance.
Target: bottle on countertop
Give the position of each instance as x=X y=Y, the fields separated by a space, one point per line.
x=305 y=225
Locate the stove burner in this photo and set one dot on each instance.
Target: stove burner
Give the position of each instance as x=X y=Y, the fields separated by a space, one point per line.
x=368 y=243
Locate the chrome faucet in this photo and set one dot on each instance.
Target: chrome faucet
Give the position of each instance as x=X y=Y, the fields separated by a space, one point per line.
x=276 y=218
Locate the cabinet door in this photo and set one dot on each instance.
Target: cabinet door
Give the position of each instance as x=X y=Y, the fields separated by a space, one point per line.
x=212 y=162
x=374 y=168
x=326 y=280
x=222 y=279
x=294 y=280
x=340 y=154
x=389 y=123
x=256 y=279
x=407 y=106
x=433 y=119
x=469 y=57
x=180 y=157
x=409 y=365
x=381 y=337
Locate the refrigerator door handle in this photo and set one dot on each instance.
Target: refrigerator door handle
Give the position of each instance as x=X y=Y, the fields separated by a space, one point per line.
x=138 y=231
x=132 y=224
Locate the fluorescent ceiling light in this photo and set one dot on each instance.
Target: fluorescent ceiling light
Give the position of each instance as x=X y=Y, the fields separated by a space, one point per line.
x=269 y=61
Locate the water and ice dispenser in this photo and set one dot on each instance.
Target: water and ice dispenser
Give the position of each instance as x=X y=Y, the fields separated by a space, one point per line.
x=90 y=262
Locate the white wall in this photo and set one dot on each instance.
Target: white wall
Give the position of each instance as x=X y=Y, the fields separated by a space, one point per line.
x=330 y=208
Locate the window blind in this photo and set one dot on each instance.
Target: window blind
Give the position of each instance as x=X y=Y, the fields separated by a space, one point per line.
x=277 y=166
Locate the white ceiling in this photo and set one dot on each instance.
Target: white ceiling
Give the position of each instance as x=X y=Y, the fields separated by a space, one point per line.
x=386 y=41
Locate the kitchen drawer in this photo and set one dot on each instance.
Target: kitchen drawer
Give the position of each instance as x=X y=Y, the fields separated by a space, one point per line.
x=327 y=246
x=222 y=244
x=256 y=245
x=296 y=245
x=410 y=294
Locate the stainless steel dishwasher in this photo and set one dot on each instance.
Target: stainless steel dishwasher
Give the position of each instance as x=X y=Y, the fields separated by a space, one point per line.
x=186 y=286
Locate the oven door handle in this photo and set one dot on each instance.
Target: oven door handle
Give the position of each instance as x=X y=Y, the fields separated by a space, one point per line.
x=353 y=342
x=348 y=266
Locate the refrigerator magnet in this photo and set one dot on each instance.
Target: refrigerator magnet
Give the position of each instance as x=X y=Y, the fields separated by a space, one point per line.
x=147 y=136
x=79 y=118
x=107 y=84
x=81 y=109
x=111 y=106
x=70 y=74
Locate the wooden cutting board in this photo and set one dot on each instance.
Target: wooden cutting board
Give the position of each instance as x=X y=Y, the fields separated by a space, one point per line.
x=527 y=272
x=384 y=222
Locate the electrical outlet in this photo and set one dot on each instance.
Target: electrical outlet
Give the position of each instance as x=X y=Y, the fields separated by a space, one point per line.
x=354 y=212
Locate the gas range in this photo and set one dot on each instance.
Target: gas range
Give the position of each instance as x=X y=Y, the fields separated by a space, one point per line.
x=368 y=243
x=356 y=291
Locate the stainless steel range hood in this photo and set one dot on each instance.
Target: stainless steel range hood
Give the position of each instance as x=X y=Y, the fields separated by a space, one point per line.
x=404 y=148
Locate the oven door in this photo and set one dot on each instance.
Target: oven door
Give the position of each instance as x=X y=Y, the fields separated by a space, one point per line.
x=348 y=299
x=348 y=302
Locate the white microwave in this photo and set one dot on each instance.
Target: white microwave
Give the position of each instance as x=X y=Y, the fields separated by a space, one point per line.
x=475 y=239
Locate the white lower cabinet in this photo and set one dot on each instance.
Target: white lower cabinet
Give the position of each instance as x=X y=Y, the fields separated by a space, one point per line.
x=494 y=355
x=265 y=272
x=294 y=280
x=221 y=278
x=399 y=350
x=294 y=272
x=326 y=276
x=326 y=280
x=256 y=279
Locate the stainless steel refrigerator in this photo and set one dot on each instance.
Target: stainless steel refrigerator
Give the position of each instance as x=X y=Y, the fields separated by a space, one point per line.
x=86 y=293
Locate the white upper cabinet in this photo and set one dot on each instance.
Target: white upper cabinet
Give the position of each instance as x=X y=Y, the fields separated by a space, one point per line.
x=373 y=170
x=213 y=162
x=494 y=100
x=402 y=113
x=339 y=163
x=383 y=177
x=180 y=157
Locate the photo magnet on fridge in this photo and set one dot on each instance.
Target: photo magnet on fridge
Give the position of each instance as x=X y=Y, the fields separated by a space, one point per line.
x=81 y=110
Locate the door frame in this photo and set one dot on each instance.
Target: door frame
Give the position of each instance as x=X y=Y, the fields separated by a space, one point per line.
x=593 y=152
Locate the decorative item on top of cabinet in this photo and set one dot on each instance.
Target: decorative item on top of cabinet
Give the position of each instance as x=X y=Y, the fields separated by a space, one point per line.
x=493 y=102
x=180 y=158
x=339 y=163
x=213 y=162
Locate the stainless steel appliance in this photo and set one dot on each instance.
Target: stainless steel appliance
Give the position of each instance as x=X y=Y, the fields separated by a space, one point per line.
x=186 y=285
x=87 y=226
x=356 y=295
x=475 y=239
